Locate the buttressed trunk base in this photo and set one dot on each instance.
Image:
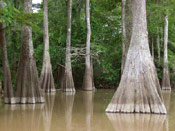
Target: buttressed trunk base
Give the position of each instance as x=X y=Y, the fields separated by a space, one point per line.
x=139 y=88
x=28 y=85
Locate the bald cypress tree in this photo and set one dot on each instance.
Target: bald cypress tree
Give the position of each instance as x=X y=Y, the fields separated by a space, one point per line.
x=46 y=79
x=139 y=88
x=28 y=85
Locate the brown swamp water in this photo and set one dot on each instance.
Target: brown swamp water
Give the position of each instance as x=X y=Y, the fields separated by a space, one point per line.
x=83 y=111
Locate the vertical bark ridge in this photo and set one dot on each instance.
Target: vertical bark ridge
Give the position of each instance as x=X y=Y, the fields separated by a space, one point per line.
x=139 y=88
x=166 y=78
x=46 y=78
x=68 y=82
x=28 y=85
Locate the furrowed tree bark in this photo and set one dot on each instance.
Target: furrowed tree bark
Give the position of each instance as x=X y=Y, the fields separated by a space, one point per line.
x=166 y=78
x=139 y=88
x=68 y=83
x=88 y=84
x=28 y=85
x=46 y=79
x=8 y=90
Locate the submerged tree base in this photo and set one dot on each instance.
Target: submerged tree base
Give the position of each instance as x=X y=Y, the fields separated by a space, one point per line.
x=139 y=89
x=88 y=84
x=47 y=81
x=68 y=83
x=166 y=80
x=10 y=100
x=28 y=86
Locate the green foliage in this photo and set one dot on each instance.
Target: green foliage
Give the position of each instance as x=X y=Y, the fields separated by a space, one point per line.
x=105 y=40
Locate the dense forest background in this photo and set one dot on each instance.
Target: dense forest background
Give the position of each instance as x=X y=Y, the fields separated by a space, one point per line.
x=106 y=39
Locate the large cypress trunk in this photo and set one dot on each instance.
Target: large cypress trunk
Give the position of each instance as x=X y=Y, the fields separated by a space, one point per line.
x=8 y=90
x=28 y=85
x=68 y=83
x=46 y=79
x=88 y=76
x=166 y=78
x=139 y=88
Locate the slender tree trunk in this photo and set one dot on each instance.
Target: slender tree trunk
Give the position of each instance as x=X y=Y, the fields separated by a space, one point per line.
x=88 y=76
x=46 y=79
x=152 y=44
x=166 y=78
x=68 y=83
x=28 y=86
x=123 y=34
x=8 y=90
x=139 y=88
x=158 y=46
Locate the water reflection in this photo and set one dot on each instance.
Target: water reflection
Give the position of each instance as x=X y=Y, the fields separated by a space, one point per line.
x=166 y=97
x=84 y=111
x=137 y=122
x=47 y=113
x=23 y=117
x=67 y=103
x=88 y=101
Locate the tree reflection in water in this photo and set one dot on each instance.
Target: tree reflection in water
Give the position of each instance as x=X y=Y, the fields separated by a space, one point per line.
x=137 y=122
x=22 y=117
x=48 y=108
x=88 y=100
x=67 y=102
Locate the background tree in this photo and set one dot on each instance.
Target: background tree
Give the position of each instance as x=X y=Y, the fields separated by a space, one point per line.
x=166 y=78
x=88 y=76
x=139 y=88
x=8 y=90
x=28 y=86
x=68 y=83
x=47 y=81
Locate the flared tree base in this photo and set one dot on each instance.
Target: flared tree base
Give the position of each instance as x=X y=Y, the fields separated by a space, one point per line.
x=47 y=81
x=139 y=89
x=28 y=86
x=10 y=100
x=88 y=84
x=68 y=83
x=166 y=80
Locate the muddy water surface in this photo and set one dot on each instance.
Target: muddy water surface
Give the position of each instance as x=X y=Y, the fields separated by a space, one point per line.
x=83 y=111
